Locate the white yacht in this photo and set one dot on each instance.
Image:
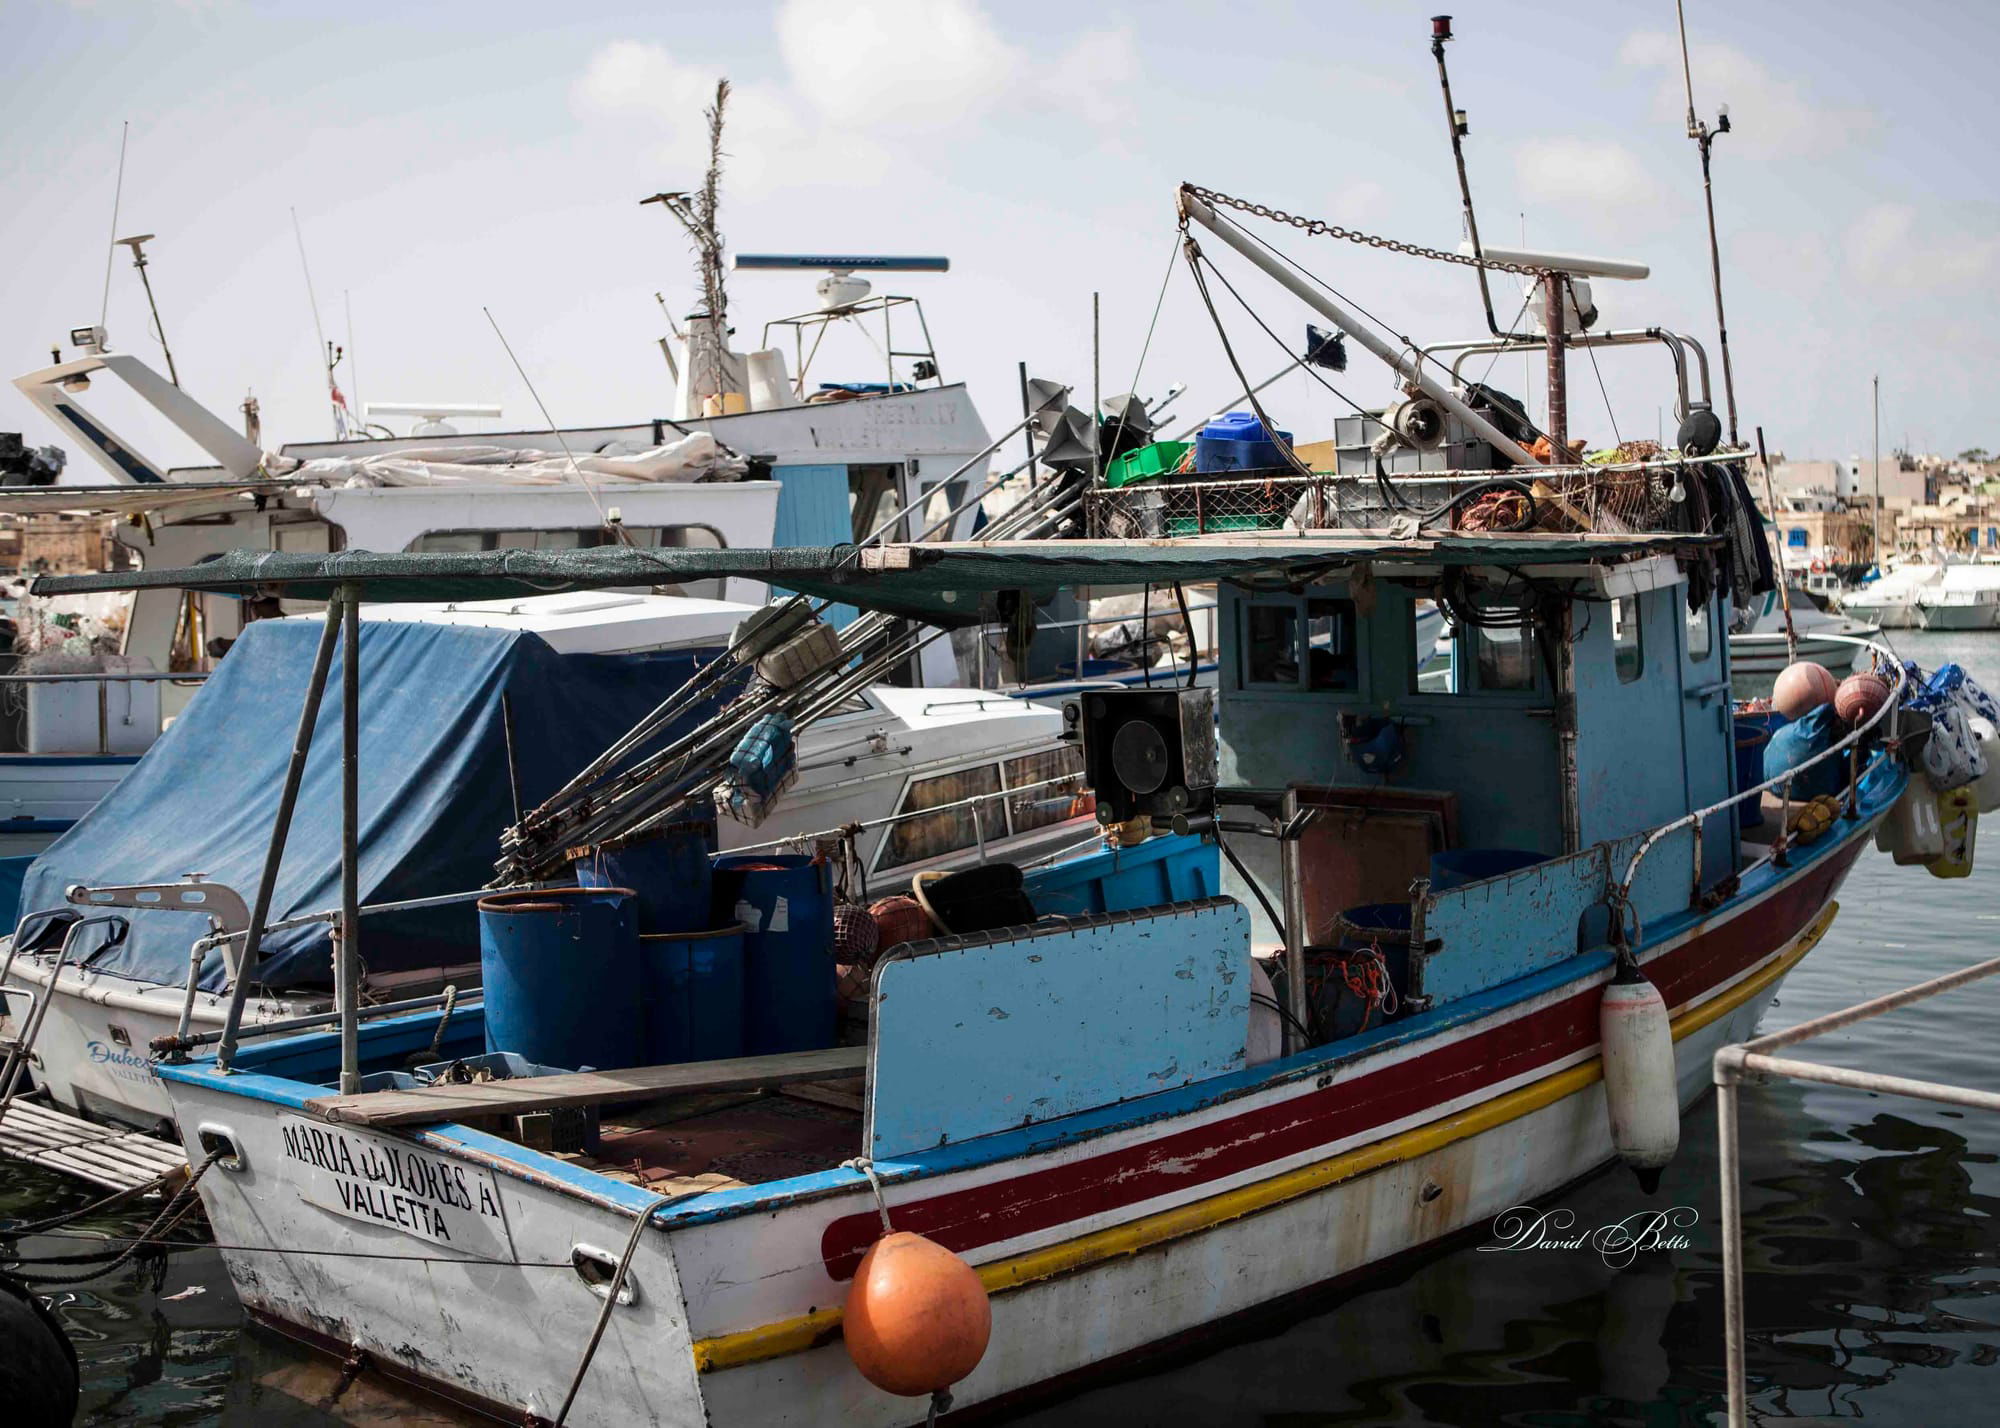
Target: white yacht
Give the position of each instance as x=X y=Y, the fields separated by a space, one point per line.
x=1891 y=600
x=1757 y=645
x=1965 y=597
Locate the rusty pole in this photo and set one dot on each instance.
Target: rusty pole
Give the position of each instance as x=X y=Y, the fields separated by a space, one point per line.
x=1552 y=309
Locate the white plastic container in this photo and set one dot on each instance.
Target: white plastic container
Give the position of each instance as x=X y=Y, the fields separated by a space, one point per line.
x=1987 y=786
x=1912 y=833
x=63 y=716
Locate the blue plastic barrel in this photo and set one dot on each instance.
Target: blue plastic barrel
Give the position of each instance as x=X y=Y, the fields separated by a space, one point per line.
x=785 y=903
x=693 y=985
x=669 y=870
x=561 y=974
x=1751 y=737
x=1459 y=866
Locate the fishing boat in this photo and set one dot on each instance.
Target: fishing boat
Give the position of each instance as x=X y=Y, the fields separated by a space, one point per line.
x=1470 y=947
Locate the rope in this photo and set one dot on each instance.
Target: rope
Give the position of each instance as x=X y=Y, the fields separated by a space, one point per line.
x=611 y=1289
x=175 y=1210
x=867 y=1167
x=56 y=1222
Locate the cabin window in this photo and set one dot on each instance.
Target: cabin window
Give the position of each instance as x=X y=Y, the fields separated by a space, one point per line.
x=1433 y=653
x=1630 y=658
x=1505 y=655
x=949 y=829
x=1701 y=634
x=1271 y=646
x=1331 y=661
x=1045 y=788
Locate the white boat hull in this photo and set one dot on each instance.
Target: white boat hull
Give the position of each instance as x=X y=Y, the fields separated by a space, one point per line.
x=731 y=1321
x=1967 y=615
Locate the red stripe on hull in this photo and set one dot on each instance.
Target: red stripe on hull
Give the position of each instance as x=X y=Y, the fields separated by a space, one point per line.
x=988 y=1214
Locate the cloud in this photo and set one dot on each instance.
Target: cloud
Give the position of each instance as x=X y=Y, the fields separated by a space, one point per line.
x=925 y=65
x=770 y=142
x=1770 y=116
x=894 y=64
x=1887 y=250
x=1599 y=174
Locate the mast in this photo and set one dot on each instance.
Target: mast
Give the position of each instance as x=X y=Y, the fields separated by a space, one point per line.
x=1704 y=138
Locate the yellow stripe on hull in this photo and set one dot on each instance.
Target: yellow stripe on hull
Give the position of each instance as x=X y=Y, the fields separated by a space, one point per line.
x=790 y=1336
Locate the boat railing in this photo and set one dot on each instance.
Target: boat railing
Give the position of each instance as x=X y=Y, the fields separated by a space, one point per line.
x=1621 y=496
x=1848 y=748
x=104 y=679
x=1752 y=1060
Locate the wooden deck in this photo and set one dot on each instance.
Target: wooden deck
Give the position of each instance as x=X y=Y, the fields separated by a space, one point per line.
x=587 y=1088
x=104 y=1155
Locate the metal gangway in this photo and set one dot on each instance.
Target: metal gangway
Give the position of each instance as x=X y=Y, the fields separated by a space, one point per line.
x=1751 y=1060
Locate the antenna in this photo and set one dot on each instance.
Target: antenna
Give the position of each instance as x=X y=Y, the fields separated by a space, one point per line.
x=556 y=432
x=839 y=288
x=329 y=354
x=137 y=244
x=353 y=355
x=1704 y=138
x=117 y=197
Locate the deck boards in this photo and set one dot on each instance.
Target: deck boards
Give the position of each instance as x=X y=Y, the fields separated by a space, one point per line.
x=587 y=1088
x=110 y=1156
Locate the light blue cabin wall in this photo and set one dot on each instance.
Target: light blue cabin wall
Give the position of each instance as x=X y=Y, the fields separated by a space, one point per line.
x=813 y=509
x=1639 y=756
x=972 y=1036
x=1496 y=750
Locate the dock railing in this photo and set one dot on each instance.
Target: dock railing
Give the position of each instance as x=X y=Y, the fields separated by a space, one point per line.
x=1751 y=1060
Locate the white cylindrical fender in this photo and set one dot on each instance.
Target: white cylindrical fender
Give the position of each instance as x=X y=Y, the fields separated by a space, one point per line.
x=1641 y=1094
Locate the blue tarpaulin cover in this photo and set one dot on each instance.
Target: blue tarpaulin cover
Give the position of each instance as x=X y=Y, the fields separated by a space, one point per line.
x=433 y=783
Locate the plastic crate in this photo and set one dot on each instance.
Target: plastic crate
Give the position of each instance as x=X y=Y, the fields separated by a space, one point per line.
x=1158 y=459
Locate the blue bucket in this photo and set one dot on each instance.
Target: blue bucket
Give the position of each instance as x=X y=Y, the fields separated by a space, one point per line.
x=561 y=972
x=693 y=985
x=668 y=869
x=1375 y=924
x=785 y=903
x=1459 y=866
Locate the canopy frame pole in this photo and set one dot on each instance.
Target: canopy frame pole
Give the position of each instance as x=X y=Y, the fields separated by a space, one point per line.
x=281 y=828
x=347 y=948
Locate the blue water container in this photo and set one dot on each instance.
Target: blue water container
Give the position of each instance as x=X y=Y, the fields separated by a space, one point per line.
x=1459 y=866
x=693 y=985
x=1238 y=442
x=561 y=974
x=668 y=868
x=785 y=903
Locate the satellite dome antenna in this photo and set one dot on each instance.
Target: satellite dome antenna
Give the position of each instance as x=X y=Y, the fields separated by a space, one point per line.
x=137 y=244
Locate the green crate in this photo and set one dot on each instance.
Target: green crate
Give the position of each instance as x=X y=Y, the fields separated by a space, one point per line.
x=1145 y=463
x=1214 y=525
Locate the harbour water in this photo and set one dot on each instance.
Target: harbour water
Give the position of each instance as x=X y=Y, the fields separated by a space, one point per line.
x=1872 y=1234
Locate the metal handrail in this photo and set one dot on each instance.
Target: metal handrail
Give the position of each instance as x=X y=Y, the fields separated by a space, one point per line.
x=104 y=676
x=1734 y=1064
x=1852 y=741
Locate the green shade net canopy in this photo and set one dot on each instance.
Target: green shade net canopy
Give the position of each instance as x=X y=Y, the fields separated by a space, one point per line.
x=943 y=583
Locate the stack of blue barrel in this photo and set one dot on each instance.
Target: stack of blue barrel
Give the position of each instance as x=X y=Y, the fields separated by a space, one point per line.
x=662 y=954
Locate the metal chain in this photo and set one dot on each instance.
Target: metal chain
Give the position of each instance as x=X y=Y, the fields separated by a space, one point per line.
x=1320 y=228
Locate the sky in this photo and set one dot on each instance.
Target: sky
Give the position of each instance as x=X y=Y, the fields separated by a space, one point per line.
x=446 y=159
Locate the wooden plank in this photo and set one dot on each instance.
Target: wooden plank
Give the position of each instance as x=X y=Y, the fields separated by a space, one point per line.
x=587 y=1088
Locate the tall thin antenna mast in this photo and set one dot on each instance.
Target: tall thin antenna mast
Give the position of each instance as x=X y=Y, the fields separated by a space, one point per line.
x=556 y=431
x=1704 y=137
x=137 y=243
x=353 y=355
x=111 y=247
x=328 y=353
x=1878 y=470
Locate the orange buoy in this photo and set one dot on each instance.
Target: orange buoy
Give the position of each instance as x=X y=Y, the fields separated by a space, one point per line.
x=917 y=1317
x=1802 y=688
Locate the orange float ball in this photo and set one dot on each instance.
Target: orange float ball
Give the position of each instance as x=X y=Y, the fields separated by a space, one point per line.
x=917 y=1317
x=1802 y=688
x=1859 y=696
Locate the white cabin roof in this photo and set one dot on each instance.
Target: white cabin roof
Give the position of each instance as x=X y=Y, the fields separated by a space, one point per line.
x=586 y=621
